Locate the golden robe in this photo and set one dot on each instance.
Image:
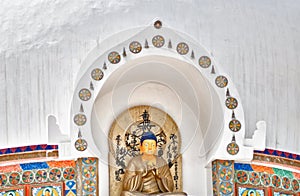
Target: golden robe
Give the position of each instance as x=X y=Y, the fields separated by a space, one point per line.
x=141 y=179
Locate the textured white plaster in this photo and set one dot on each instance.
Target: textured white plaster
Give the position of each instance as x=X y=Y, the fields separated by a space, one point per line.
x=43 y=44
x=258 y=140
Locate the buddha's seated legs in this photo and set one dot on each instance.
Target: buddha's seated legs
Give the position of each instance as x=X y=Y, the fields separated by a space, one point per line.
x=132 y=193
x=135 y=193
x=169 y=194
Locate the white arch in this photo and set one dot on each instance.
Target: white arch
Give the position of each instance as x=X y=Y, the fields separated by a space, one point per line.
x=201 y=101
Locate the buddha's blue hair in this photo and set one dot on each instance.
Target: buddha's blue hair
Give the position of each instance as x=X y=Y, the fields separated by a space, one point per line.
x=148 y=136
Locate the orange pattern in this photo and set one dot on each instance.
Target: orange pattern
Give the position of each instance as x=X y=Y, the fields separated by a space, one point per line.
x=10 y=168
x=260 y=168
x=296 y=175
x=70 y=163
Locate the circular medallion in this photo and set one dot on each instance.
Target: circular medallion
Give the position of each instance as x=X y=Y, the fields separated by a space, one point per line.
x=242 y=177
x=79 y=119
x=204 y=61
x=158 y=41
x=89 y=171
x=182 y=48
x=85 y=94
x=89 y=161
x=89 y=186
x=225 y=173
x=221 y=81
x=81 y=145
x=135 y=47
x=27 y=176
x=286 y=183
x=234 y=125
x=3 y=179
x=41 y=176
x=114 y=57
x=276 y=181
x=233 y=148
x=254 y=178
x=97 y=74
x=295 y=185
x=69 y=173
x=14 y=178
x=55 y=175
x=231 y=103
x=226 y=188
x=265 y=179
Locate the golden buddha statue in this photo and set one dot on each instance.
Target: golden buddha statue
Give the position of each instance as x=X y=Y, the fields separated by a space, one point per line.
x=148 y=174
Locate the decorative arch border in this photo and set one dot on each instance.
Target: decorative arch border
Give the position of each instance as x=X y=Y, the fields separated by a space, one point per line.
x=152 y=40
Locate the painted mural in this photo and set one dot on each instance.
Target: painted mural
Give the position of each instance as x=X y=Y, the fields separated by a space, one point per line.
x=242 y=191
x=48 y=178
x=269 y=180
x=256 y=178
x=15 y=192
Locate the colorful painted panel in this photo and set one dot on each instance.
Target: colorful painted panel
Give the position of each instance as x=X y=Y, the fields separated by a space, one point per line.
x=39 y=172
x=47 y=191
x=279 y=153
x=70 y=188
x=242 y=191
x=263 y=169
x=28 y=149
x=16 y=192
x=52 y=178
x=267 y=177
x=278 y=157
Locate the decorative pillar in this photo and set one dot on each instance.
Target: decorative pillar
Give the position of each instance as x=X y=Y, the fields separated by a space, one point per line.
x=223 y=178
x=87 y=178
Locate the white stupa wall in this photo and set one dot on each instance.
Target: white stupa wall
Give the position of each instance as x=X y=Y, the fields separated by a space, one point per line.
x=43 y=45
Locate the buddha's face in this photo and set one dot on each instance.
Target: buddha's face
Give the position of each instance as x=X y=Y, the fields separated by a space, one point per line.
x=47 y=193
x=148 y=147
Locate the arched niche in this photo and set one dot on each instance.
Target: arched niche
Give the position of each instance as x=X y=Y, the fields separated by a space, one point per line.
x=171 y=76
x=124 y=143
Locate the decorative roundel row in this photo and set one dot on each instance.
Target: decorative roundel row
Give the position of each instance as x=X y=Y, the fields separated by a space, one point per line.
x=234 y=125
x=256 y=178
x=158 y=41
x=135 y=47
x=42 y=175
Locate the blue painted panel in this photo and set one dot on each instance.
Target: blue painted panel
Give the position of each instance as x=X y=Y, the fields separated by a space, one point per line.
x=31 y=166
x=241 y=166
